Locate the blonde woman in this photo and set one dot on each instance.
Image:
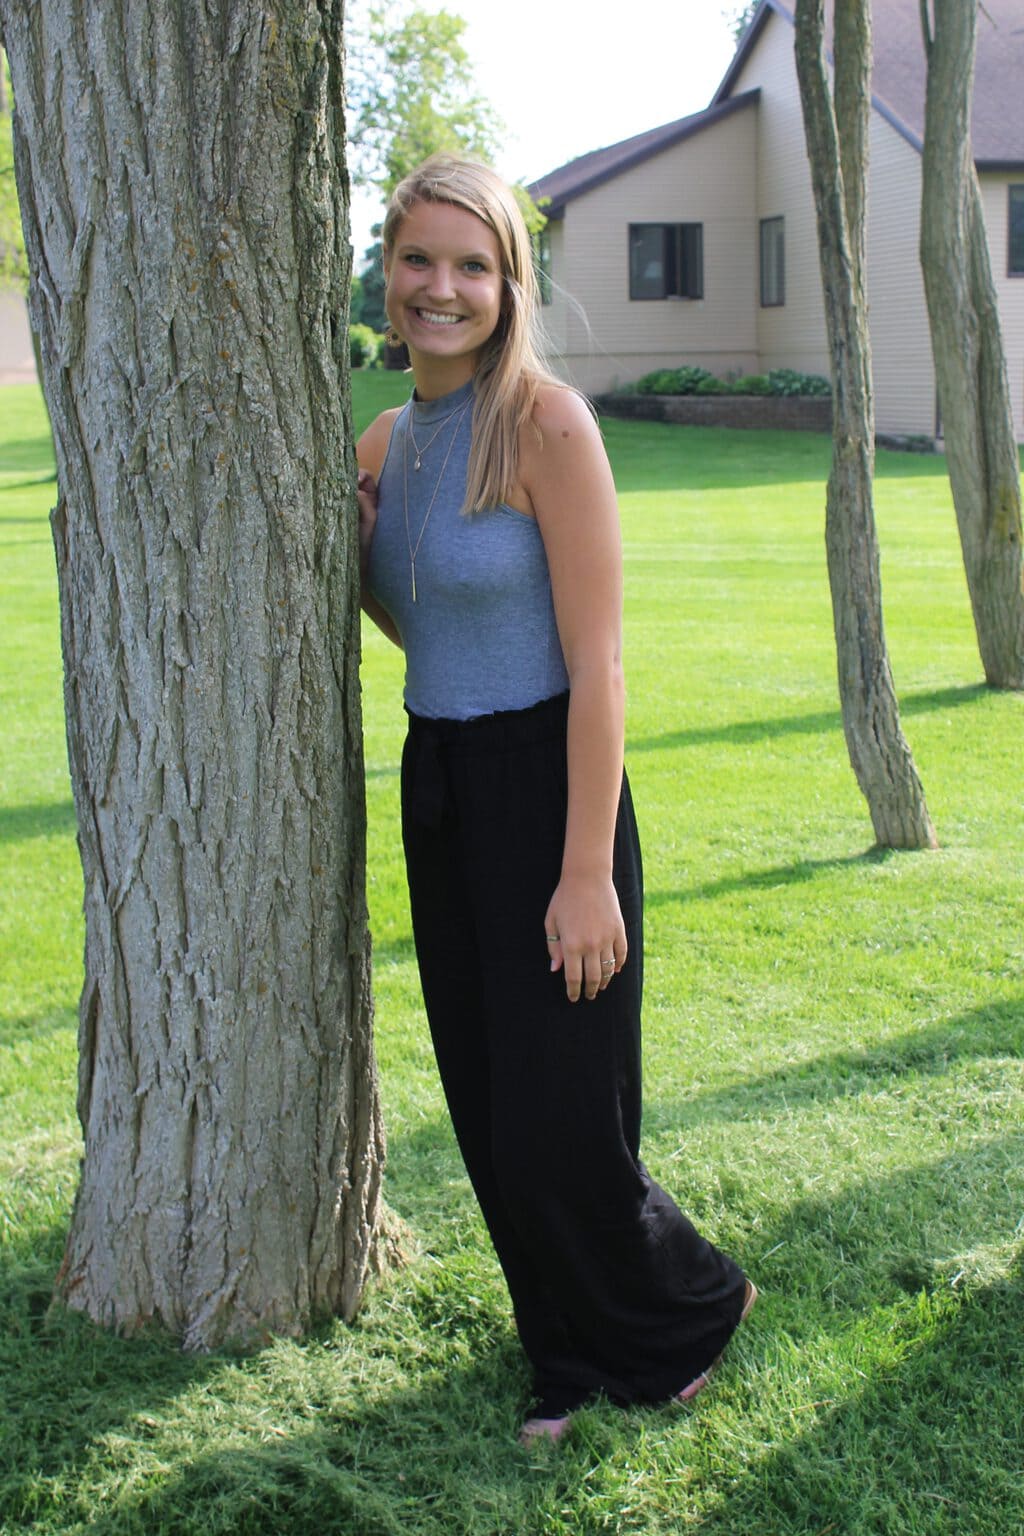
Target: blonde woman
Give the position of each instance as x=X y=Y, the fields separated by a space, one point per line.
x=491 y=554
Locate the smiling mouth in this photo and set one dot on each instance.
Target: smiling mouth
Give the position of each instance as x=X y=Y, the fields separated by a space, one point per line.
x=436 y=317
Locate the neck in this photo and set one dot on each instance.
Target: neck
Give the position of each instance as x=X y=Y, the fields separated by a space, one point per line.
x=437 y=376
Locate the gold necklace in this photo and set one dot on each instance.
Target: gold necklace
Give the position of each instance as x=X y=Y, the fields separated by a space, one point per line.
x=415 y=549
x=442 y=423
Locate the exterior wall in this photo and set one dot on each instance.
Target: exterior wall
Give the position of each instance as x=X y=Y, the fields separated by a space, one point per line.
x=707 y=179
x=901 y=346
x=995 y=200
x=17 y=360
x=750 y=167
x=554 y=315
x=792 y=335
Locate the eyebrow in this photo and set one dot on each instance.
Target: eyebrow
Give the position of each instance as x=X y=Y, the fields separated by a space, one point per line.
x=410 y=247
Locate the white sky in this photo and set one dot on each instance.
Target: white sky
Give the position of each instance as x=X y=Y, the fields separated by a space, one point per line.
x=568 y=76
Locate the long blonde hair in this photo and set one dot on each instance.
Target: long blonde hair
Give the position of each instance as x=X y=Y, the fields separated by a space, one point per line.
x=511 y=367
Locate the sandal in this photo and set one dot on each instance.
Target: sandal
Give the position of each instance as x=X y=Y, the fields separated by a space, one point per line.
x=700 y=1382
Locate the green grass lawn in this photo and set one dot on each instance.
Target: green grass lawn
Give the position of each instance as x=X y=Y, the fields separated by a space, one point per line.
x=834 y=1081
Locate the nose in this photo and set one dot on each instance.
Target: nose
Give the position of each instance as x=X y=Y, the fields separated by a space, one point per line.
x=441 y=286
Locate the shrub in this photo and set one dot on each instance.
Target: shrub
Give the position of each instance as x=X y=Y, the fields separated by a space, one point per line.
x=751 y=384
x=363 y=346
x=672 y=381
x=713 y=386
x=787 y=381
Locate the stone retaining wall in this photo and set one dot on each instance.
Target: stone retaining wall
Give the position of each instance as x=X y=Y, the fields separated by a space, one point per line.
x=790 y=413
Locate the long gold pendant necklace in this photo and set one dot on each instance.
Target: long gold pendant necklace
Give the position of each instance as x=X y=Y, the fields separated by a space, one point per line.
x=414 y=549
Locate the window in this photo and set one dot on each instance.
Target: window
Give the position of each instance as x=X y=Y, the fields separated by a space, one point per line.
x=541 y=242
x=666 y=261
x=1015 y=266
x=773 y=263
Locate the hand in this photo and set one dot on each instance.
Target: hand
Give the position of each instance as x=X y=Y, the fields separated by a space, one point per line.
x=366 y=491
x=584 y=930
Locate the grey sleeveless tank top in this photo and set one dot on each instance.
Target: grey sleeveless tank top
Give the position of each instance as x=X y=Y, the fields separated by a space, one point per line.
x=480 y=635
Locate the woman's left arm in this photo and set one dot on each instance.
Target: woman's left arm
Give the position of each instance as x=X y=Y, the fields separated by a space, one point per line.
x=568 y=479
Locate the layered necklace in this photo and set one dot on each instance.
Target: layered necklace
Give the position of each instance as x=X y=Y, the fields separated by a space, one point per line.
x=457 y=414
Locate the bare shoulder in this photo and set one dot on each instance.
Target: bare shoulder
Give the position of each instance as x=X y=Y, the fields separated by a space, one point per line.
x=372 y=447
x=561 y=414
x=560 y=444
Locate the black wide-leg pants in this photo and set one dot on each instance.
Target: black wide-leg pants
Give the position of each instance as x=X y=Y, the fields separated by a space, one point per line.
x=612 y=1287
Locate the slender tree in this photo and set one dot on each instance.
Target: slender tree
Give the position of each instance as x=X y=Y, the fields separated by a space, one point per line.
x=837 y=146
x=182 y=182
x=967 y=344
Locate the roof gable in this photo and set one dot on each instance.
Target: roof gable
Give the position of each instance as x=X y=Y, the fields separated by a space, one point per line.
x=558 y=187
x=899 y=72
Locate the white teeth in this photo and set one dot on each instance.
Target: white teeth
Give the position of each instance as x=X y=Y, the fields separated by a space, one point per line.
x=433 y=318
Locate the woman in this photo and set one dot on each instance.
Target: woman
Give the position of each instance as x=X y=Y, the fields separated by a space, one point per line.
x=490 y=540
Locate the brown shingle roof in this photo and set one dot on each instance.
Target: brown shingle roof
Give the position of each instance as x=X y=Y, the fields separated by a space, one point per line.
x=588 y=171
x=898 y=78
x=898 y=82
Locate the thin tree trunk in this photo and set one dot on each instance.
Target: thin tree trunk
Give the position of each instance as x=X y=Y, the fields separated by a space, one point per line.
x=967 y=344
x=837 y=150
x=181 y=172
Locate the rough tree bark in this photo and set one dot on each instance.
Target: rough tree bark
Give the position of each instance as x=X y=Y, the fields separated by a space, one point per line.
x=184 y=196
x=967 y=344
x=837 y=138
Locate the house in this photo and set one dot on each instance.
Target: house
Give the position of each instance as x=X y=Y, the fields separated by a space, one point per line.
x=696 y=242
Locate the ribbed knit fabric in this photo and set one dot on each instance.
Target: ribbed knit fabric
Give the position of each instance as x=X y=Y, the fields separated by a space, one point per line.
x=481 y=636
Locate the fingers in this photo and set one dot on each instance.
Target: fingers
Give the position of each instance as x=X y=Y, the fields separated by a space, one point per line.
x=587 y=972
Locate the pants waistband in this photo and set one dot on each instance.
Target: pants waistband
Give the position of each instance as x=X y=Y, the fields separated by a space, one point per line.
x=494 y=733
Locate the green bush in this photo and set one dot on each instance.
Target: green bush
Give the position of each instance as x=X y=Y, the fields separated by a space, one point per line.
x=672 y=381
x=787 y=381
x=751 y=384
x=363 y=346
x=712 y=386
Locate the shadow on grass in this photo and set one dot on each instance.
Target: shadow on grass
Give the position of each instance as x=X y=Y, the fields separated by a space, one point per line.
x=404 y=1425
x=65 y=1384
x=993 y=1031
x=18 y=823
x=766 y=879
x=746 y=732
x=928 y=1443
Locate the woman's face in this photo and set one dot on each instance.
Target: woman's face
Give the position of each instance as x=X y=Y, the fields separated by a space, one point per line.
x=444 y=283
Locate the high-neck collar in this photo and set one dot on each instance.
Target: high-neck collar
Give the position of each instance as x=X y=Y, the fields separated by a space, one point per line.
x=426 y=411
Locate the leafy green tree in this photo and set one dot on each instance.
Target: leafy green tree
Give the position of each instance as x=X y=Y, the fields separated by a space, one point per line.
x=371 y=280
x=411 y=93
x=739 y=17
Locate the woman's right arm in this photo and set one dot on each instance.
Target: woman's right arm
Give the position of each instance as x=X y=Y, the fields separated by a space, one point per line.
x=371 y=451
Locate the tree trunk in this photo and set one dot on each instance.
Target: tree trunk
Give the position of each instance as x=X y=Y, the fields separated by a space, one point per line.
x=967 y=344
x=181 y=171
x=837 y=151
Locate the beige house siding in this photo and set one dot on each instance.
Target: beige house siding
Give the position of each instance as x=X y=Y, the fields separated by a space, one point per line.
x=729 y=176
x=793 y=335
x=17 y=361
x=995 y=199
x=707 y=179
x=553 y=315
x=904 y=376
